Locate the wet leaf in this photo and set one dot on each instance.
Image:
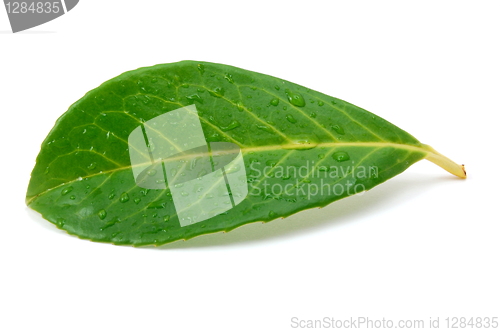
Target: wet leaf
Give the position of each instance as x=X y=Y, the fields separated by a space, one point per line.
x=299 y=149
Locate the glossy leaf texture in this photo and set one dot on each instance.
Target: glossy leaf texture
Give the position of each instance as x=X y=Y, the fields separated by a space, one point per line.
x=301 y=149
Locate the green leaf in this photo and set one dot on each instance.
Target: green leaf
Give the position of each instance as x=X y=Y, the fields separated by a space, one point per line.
x=300 y=149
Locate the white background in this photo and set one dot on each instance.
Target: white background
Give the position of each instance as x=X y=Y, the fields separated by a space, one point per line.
x=424 y=244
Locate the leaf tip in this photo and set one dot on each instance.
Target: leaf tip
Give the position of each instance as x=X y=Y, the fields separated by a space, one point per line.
x=28 y=200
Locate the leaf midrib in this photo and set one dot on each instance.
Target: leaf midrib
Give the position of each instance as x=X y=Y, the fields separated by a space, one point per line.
x=294 y=147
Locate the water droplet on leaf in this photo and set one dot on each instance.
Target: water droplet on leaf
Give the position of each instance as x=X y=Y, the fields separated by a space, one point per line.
x=102 y=214
x=229 y=78
x=60 y=222
x=295 y=98
x=195 y=97
x=124 y=197
x=265 y=128
x=232 y=125
x=65 y=191
x=217 y=92
x=302 y=142
x=338 y=129
x=341 y=156
x=290 y=118
x=201 y=68
x=233 y=168
x=240 y=106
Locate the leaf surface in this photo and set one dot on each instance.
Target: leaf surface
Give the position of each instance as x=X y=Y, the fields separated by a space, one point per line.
x=300 y=149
